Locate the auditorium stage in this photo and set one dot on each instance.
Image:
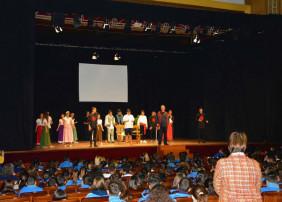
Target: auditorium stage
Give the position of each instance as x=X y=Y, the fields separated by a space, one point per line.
x=115 y=150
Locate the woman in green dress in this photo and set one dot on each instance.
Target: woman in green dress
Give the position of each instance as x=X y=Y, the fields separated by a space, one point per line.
x=45 y=140
x=74 y=129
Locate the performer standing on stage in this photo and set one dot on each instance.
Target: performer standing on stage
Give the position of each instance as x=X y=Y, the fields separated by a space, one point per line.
x=119 y=120
x=50 y=122
x=38 y=128
x=128 y=121
x=143 y=123
x=45 y=140
x=60 y=129
x=85 y=125
x=74 y=131
x=110 y=124
x=153 y=125
x=170 y=126
x=92 y=126
x=100 y=129
x=201 y=125
x=162 y=123
x=68 y=127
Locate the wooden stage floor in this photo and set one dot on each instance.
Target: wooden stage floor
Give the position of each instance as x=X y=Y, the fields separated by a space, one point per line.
x=115 y=150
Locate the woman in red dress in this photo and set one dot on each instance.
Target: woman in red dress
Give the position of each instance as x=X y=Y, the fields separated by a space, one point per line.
x=38 y=128
x=170 y=126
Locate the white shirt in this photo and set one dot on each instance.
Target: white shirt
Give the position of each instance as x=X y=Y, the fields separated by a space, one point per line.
x=107 y=175
x=44 y=122
x=39 y=122
x=142 y=119
x=130 y=119
x=68 y=120
x=100 y=122
x=49 y=121
x=61 y=122
x=107 y=122
x=73 y=120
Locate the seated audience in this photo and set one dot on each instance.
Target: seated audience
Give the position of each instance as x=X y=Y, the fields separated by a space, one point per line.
x=201 y=177
x=220 y=153
x=114 y=191
x=153 y=179
x=159 y=194
x=86 y=182
x=30 y=187
x=52 y=182
x=200 y=194
x=112 y=170
x=45 y=180
x=8 y=187
x=66 y=163
x=271 y=182
x=183 y=188
x=8 y=172
x=77 y=164
x=59 y=195
x=177 y=179
x=18 y=166
x=74 y=180
x=237 y=177
x=98 y=188
x=61 y=182
x=194 y=171
x=125 y=170
x=134 y=182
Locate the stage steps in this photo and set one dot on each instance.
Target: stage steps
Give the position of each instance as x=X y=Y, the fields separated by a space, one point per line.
x=164 y=150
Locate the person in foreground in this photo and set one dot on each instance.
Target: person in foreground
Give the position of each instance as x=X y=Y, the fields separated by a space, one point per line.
x=238 y=178
x=114 y=192
x=271 y=182
x=200 y=194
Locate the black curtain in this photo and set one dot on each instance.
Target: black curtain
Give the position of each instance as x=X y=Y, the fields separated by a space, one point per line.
x=17 y=70
x=239 y=86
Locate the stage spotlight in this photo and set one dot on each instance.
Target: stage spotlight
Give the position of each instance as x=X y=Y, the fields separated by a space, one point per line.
x=58 y=20
x=172 y=28
x=58 y=29
x=76 y=22
x=196 y=39
x=95 y=56
x=148 y=27
x=106 y=25
x=117 y=57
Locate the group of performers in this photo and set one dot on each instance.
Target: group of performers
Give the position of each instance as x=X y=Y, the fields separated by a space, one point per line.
x=160 y=123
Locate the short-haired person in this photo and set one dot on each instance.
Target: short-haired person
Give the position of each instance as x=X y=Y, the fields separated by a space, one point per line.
x=143 y=123
x=162 y=123
x=86 y=182
x=237 y=177
x=271 y=182
x=110 y=124
x=201 y=125
x=59 y=195
x=114 y=191
x=128 y=121
x=30 y=187
x=153 y=179
x=200 y=194
x=66 y=163
x=61 y=182
x=92 y=126
x=183 y=188
x=153 y=126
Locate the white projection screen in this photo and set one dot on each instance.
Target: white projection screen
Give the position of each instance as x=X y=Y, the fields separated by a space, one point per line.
x=103 y=83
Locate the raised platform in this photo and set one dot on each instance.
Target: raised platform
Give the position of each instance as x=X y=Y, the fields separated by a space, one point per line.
x=115 y=150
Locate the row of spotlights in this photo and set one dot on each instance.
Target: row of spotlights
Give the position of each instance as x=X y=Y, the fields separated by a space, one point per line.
x=95 y=56
x=58 y=29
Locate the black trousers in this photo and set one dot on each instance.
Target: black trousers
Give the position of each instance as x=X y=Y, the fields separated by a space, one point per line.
x=142 y=129
x=92 y=135
x=153 y=133
x=162 y=131
x=201 y=134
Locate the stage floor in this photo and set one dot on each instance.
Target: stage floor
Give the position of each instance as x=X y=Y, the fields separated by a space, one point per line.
x=116 y=151
x=105 y=145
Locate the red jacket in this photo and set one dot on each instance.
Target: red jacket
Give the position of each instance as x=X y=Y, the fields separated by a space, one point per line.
x=160 y=117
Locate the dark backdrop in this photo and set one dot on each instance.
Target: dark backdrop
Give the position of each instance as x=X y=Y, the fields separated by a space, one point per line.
x=239 y=84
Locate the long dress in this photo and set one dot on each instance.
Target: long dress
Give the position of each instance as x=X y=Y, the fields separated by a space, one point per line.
x=68 y=134
x=74 y=131
x=99 y=130
x=45 y=140
x=39 y=130
x=170 y=130
x=61 y=131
